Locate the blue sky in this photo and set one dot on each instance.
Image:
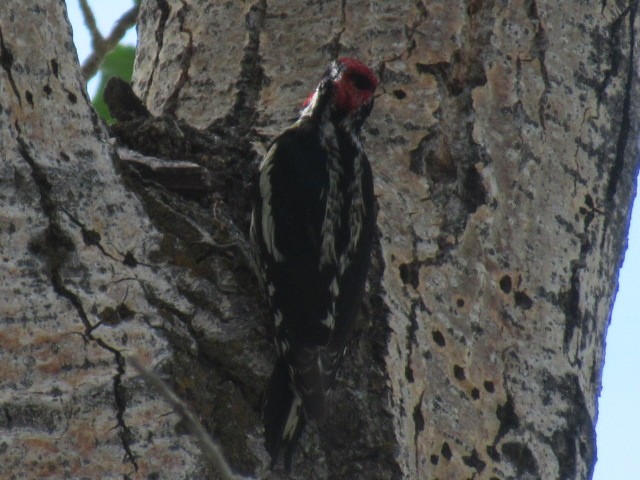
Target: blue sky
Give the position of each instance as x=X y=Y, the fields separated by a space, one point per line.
x=619 y=421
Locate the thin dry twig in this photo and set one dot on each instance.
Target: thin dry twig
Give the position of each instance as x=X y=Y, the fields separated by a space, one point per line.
x=211 y=450
x=102 y=45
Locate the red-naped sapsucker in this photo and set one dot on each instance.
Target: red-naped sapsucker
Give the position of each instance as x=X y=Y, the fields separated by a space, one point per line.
x=312 y=227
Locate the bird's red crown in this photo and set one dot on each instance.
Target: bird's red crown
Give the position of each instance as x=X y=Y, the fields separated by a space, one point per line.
x=354 y=82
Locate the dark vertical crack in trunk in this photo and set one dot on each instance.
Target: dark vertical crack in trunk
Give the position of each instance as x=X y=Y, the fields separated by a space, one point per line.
x=244 y=111
x=164 y=9
x=623 y=134
x=56 y=247
x=171 y=105
x=6 y=61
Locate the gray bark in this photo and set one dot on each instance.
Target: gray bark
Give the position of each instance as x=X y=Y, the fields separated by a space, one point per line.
x=503 y=144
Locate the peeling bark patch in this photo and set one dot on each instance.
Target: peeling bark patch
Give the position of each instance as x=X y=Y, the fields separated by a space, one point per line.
x=54 y=67
x=475 y=193
x=614 y=54
x=446 y=451
x=410 y=273
x=412 y=328
x=124 y=311
x=408 y=373
x=538 y=50
x=438 y=338
x=89 y=237
x=129 y=260
x=448 y=153
x=521 y=457
x=505 y=284
x=590 y=211
x=6 y=62
x=522 y=300
x=399 y=94
x=508 y=419
x=122 y=102
x=109 y=316
x=569 y=301
x=418 y=418
x=8 y=418
x=418 y=422
x=113 y=316
x=474 y=461
x=577 y=438
x=433 y=157
x=474 y=7
x=493 y=453
x=119 y=391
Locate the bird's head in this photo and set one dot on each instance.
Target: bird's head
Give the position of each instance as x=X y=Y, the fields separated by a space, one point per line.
x=352 y=85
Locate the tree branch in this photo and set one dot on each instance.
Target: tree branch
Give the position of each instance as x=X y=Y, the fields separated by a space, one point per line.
x=102 y=46
x=210 y=449
x=90 y=22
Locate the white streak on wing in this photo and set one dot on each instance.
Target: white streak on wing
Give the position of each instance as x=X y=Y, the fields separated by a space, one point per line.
x=293 y=418
x=334 y=287
x=330 y=321
x=356 y=210
x=277 y=317
x=331 y=221
x=356 y=214
x=308 y=110
x=268 y=226
x=252 y=229
x=284 y=346
x=253 y=234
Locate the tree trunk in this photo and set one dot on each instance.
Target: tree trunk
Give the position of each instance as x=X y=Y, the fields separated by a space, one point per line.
x=503 y=147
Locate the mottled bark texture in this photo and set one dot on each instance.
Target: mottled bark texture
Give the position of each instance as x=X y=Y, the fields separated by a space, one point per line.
x=503 y=145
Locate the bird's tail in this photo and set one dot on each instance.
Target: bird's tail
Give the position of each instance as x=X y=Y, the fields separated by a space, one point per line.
x=282 y=415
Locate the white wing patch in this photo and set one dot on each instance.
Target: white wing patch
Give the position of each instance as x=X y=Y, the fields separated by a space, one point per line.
x=331 y=221
x=268 y=226
x=294 y=416
x=334 y=287
x=357 y=210
x=283 y=348
x=277 y=316
x=330 y=321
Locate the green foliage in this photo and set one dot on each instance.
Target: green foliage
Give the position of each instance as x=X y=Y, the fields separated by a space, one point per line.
x=118 y=63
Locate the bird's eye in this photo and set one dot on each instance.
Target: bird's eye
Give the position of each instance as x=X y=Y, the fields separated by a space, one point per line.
x=361 y=82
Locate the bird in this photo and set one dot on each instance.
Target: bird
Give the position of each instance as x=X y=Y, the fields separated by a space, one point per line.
x=312 y=229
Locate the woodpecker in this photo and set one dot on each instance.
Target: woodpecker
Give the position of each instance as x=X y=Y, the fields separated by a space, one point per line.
x=312 y=226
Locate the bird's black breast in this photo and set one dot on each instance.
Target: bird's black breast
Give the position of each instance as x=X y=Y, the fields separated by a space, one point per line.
x=319 y=184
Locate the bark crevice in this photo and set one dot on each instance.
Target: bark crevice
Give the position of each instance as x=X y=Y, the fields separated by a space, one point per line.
x=56 y=246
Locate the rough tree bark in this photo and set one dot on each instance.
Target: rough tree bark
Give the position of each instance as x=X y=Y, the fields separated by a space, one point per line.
x=503 y=144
